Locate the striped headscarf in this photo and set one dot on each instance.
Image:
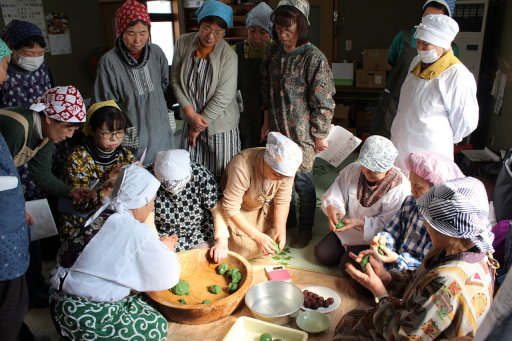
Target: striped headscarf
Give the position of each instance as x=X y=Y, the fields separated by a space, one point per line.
x=459 y=208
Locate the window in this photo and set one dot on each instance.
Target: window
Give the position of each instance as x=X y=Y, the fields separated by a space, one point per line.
x=163 y=23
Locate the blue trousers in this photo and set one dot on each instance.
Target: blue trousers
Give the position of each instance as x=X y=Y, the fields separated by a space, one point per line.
x=305 y=189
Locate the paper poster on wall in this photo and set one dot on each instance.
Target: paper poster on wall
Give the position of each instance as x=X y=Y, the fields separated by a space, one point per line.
x=58 y=33
x=26 y=10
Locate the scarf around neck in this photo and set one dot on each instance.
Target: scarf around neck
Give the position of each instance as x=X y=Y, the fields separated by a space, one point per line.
x=128 y=58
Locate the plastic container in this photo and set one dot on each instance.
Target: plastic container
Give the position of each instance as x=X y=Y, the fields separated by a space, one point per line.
x=250 y=329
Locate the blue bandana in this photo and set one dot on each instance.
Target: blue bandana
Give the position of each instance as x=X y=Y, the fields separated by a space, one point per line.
x=215 y=8
x=18 y=30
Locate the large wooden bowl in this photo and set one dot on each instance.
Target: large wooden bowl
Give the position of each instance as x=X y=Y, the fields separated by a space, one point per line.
x=200 y=273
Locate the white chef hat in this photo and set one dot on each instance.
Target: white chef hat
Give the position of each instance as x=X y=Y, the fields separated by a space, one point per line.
x=282 y=154
x=438 y=30
x=172 y=168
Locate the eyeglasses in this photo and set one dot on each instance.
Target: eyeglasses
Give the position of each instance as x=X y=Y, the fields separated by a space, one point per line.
x=285 y=31
x=108 y=136
x=207 y=30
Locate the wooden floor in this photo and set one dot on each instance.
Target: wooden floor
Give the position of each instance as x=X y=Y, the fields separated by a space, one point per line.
x=217 y=330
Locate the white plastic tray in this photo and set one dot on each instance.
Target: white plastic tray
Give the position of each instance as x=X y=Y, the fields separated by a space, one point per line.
x=250 y=329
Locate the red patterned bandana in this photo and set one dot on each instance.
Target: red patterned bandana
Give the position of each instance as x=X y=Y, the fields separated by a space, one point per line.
x=63 y=103
x=128 y=13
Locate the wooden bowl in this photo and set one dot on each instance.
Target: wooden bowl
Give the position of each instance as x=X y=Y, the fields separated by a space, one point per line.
x=200 y=273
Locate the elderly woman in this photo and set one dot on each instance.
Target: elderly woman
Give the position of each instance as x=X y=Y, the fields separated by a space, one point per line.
x=250 y=52
x=438 y=105
x=297 y=88
x=94 y=163
x=251 y=217
x=451 y=291
x=204 y=75
x=187 y=194
x=135 y=74
x=404 y=242
x=120 y=254
x=365 y=196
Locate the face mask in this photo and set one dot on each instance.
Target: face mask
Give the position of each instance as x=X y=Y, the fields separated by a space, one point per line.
x=429 y=56
x=29 y=63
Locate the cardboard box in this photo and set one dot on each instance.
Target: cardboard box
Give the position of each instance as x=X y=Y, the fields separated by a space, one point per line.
x=342 y=112
x=370 y=79
x=375 y=59
x=343 y=74
x=363 y=120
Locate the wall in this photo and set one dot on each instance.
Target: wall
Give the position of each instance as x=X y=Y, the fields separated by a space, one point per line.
x=86 y=34
x=499 y=127
x=374 y=23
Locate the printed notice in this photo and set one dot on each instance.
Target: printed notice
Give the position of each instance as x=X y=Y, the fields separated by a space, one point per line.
x=341 y=144
x=44 y=225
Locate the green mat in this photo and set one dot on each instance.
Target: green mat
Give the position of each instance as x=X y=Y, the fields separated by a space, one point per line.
x=323 y=176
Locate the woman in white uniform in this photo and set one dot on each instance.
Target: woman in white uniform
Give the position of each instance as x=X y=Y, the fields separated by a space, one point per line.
x=366 y=195
x=438 y=105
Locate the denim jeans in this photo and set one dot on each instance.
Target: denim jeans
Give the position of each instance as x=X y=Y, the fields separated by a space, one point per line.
x=305 y=189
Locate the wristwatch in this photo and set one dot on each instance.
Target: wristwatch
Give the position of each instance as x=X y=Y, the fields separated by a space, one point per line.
x=380 y=298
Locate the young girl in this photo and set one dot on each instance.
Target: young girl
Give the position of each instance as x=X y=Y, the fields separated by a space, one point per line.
x=98 y=158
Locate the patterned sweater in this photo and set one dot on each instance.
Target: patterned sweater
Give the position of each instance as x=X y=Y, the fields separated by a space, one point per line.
x=297 y=89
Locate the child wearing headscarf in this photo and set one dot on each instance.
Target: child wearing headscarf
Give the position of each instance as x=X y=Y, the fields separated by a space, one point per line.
x=452 y=290
x=121 y=256
x=250 y=219
x=94 y=163
x=365 y=197
x=404 y=242
x=438 y=105
x=187 y=194
x=250 y=52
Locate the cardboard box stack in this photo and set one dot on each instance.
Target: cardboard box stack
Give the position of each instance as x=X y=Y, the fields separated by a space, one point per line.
x=375 y=64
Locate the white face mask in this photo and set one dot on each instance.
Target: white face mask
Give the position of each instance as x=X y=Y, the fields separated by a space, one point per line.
x=429 y=56
x=29 y=63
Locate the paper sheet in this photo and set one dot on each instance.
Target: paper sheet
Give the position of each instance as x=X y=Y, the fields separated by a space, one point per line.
x=341 y=143
x=44 y=225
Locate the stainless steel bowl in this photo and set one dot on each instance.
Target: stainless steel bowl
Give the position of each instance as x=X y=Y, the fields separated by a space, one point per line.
x=274 y=301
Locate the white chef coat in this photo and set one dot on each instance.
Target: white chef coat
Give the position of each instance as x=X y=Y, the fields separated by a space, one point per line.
x=433 y=114
x=343 y=195
x=124 y=255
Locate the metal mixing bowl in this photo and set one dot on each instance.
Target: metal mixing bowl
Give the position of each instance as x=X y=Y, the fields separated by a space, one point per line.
x=274 y=301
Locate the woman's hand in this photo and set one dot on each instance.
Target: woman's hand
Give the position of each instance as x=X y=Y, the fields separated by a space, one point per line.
x=351 y=223
x=280 y=239
x=374 y=276
x=321 y=144
x=170 y=241
x=197 y=122
x=389 y=256
x=333 y=213
x=220 y=250
x=264 y=242
x=81 y=193
x=29 y=219
x=191 y=137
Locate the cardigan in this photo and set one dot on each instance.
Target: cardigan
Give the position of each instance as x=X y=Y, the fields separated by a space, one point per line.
x=221 y=110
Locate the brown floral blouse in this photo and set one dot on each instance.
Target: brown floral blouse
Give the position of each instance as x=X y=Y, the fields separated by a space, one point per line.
x=297 y=89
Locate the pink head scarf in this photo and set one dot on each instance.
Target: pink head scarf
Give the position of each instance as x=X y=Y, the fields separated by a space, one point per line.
x=433 y=167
